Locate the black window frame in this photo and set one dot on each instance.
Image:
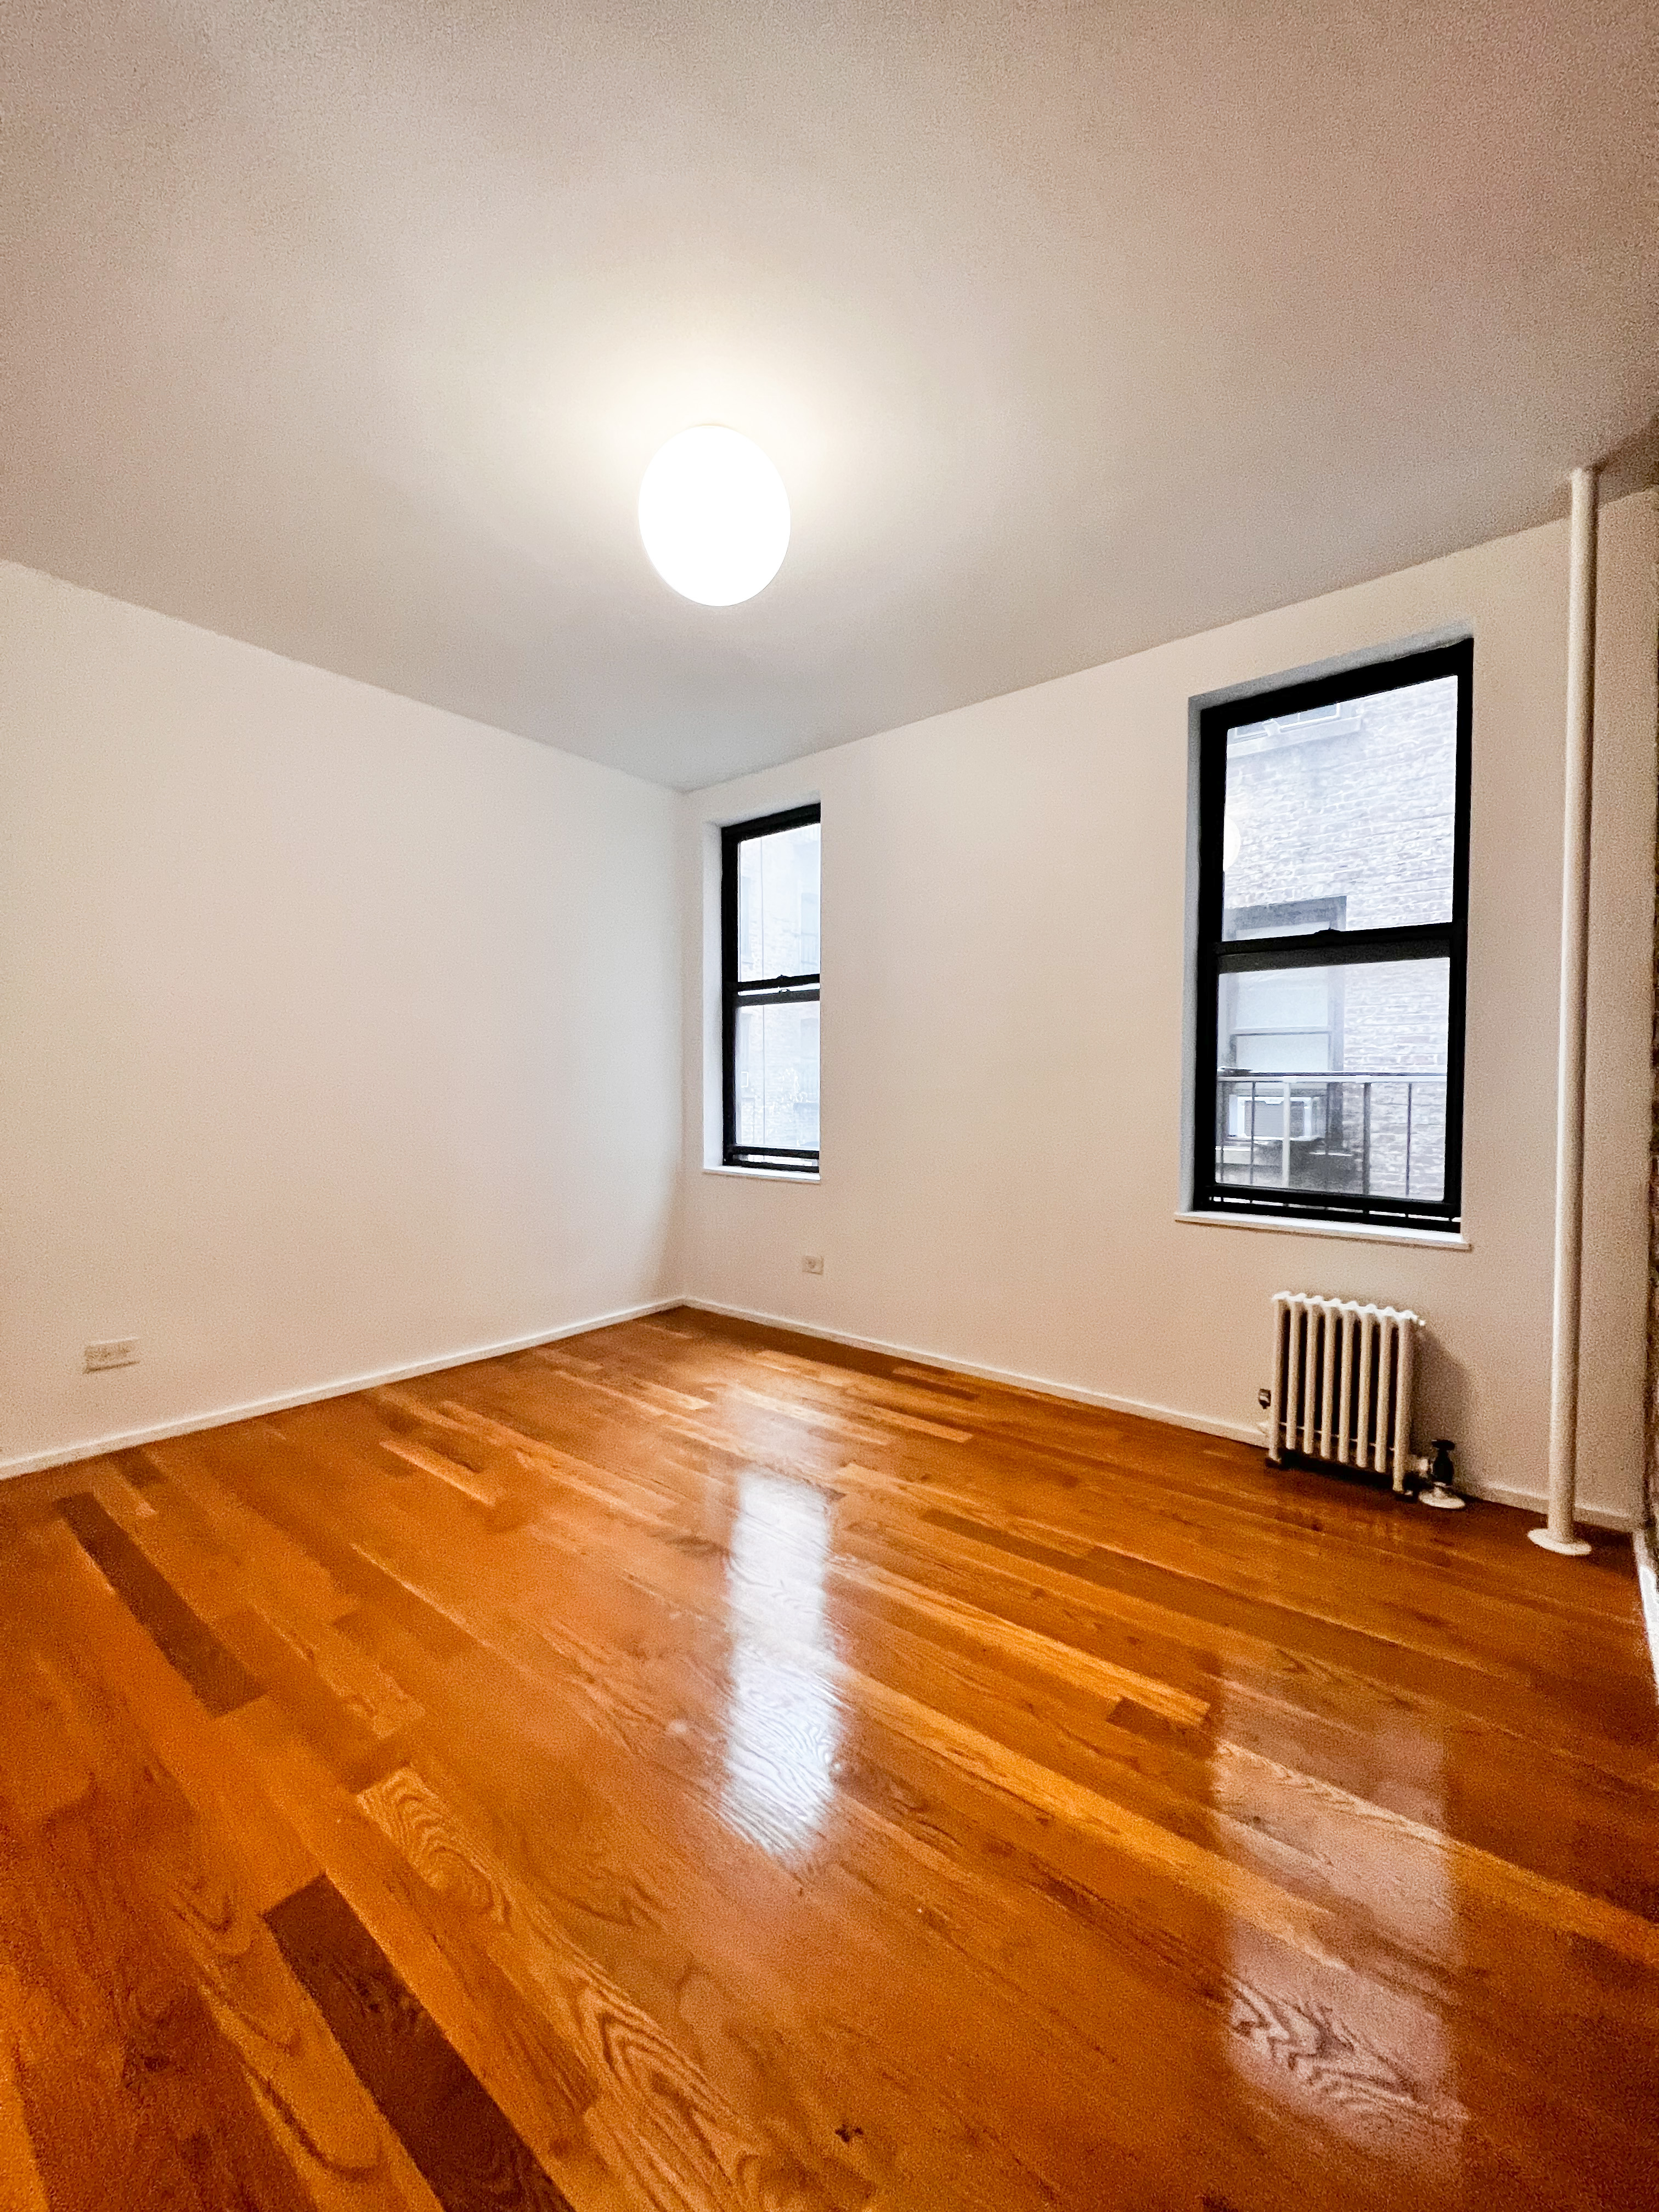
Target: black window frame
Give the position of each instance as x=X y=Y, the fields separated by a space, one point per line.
x=1218 y=955
x=760 y=991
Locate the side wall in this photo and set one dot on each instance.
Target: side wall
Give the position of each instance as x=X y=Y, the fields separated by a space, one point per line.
x=337 y=1035
x=1003 y=988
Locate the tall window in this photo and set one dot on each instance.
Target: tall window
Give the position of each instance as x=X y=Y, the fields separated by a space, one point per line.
x=1333 y=922
x=770 y=963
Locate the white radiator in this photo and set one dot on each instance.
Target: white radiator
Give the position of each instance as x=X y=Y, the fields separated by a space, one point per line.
x=1342 y=1383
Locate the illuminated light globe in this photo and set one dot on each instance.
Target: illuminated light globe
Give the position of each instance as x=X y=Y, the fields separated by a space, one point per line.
x=714 y=516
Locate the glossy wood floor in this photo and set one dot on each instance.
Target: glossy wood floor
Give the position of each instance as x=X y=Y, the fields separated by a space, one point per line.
x=686 y=1767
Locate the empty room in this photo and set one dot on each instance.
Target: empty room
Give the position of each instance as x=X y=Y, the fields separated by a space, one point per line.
x=828 y=1204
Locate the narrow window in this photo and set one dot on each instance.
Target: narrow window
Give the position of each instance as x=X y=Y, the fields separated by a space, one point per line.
x=1332 y=923
x=770 y=968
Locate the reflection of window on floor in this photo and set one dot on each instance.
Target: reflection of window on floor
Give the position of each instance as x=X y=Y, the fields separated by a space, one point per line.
x=1332 y=898
x=783 y=1722
x=1395 y=2073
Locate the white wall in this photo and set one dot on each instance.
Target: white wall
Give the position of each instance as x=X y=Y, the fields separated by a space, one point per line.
x=337 y=1034
x=1003 y=974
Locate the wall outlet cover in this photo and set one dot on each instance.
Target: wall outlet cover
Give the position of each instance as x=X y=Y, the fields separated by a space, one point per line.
x=120 y=1351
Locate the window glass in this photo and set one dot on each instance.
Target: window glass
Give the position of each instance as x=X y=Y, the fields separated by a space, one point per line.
x=1333 y=1079
x=769 y=990
x=778 y=904
x=1342 y=817
x=776 y=1077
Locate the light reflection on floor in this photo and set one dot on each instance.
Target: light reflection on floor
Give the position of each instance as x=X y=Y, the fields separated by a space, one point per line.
x=784 y=1724
x=1373 y=2066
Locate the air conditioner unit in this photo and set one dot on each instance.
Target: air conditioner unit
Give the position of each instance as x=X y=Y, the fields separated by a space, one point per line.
x=1262 y=1116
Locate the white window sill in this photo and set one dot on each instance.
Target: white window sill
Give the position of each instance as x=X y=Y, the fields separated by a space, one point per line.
x=1434 y=1240
x=764 y=1174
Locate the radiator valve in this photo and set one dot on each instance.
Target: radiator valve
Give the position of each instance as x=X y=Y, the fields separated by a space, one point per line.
x=1440 y=1492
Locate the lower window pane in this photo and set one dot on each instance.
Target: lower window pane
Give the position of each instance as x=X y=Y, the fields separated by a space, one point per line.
x=1332 y=1081
x=776 y=1075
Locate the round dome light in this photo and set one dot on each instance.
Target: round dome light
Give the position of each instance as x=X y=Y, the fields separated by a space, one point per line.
x=714 y=516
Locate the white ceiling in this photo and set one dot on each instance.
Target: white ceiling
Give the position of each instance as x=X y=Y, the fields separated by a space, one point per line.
x=348 y=326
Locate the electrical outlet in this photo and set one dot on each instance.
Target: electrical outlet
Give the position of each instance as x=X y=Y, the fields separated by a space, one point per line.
x=812 y=1263
x=122 y=1352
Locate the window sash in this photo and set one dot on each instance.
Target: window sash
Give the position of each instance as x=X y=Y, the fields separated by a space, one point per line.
x=756 y=991
x=1217 y=957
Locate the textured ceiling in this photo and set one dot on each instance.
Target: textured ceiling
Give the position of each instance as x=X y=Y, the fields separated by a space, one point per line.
x=348 y=329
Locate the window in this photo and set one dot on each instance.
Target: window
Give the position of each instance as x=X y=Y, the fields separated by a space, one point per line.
x=770 y=968
x=1333 y=914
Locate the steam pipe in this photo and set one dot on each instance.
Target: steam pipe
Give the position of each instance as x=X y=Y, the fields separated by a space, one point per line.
x=1560 y=1534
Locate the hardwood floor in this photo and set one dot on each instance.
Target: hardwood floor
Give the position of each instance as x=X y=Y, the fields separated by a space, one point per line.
x=689 y=1768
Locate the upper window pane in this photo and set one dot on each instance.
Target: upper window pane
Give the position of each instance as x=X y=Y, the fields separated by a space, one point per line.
x=1343 y=817
x=778 y=904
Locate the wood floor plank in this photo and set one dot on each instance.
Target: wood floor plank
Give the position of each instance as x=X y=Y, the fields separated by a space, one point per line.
x=183 y=1481
x=21 y=2188
x=466 y=1480
x=472 y=2157
x=215 y=1675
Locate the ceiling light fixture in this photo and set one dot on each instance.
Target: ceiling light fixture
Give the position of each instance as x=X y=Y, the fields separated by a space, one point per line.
x=714 y=516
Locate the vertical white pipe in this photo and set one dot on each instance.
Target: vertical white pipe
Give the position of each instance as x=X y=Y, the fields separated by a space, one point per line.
x=1560 y=1535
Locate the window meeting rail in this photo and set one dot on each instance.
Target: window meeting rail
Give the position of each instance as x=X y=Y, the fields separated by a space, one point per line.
x=1337 y=948
x=776 y=991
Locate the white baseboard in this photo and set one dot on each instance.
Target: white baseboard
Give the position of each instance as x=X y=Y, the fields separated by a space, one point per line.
x=221 y=1417
x=1246 y=1433
x=1535 y=1501
x=1243 y=1432
x=1646 y=1541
